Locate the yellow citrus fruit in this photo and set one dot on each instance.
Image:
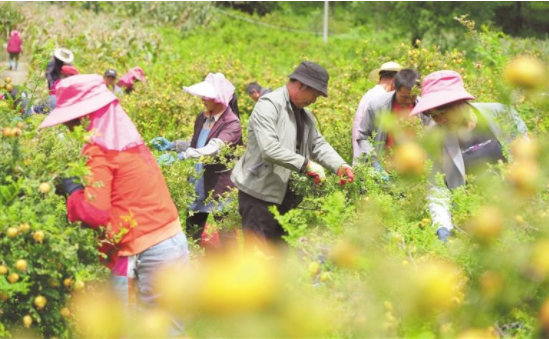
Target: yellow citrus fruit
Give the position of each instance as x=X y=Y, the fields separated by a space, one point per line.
x=409 y=158
x=27 y=321
x=9 y=87
x=437 y=286
x=540 y=258
x=39 y=236
x=65 y=312
x=40 y=302
x=488 y=224
x=24 y=227
x=44 y=188
x=524 y=175
x=7 y=80
x=345 y=254
x=67 y=282
x=13 y=278
x=314 y=268
x=21 y=265
x=525 y=149
x=525 y=71
x=79 y=285
x=12 y=232
x=3 y=270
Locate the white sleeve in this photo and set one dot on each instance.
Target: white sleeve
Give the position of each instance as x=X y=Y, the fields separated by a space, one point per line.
x=211 y=149
x=439 y=199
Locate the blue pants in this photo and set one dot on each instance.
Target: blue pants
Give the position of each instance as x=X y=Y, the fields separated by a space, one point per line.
x=141 y=274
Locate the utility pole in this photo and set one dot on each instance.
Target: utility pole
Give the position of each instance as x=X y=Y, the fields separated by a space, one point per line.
x=325 y=22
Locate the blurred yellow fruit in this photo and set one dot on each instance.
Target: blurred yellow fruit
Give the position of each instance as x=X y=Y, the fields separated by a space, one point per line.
x=525 y=149
x=13 y=278
x=7 y=80
x=491 y=284
x=3 y=270
x=38 y=236
x=44 y=188
x=476 y=333
x=314 y=268
x=67 y=282
x=524 y=175
x=325 y=276
x=488 y=224
x=409 y=158
x=27 y=321
x=3 y=296
x=21 y=265
x=543 y=316
x=12 y=232
x=9 y=87
x=24 y=227
x=540 y=258
x=79 y=285
x=40 y=302
x=65 y=312
x=100 y=315
x=437 y=284
x=344 y=254
x=525 y=71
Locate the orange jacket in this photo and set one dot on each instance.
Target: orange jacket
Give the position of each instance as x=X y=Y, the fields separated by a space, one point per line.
x=127 y=194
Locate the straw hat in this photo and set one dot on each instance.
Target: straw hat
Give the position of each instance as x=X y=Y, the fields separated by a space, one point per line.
x=388 y=66
x=64 y=55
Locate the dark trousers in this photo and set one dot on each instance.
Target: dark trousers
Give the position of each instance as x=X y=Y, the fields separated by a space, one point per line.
x=195 y=227
x=257 y=218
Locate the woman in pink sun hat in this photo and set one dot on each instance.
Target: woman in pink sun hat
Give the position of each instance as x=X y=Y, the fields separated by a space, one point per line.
x=125 y=195
x=128 y=80
x=474 y=137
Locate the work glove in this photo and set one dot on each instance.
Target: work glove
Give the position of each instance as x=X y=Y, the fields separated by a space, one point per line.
x=166 y=159
x=162 y=144
x=315 y=171
x=68 y=186
x=379 y=169
x=443 y=234
x=346 y=175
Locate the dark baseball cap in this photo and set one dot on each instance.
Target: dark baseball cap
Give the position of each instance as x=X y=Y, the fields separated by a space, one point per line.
x=110 y=73
x=312 y=75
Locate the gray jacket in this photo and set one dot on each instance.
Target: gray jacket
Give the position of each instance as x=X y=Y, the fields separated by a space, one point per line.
x=264 y=170
x=378 y=107
x=506 y=125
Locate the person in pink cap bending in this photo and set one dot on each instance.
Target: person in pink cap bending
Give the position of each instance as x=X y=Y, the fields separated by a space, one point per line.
x=125 y=195
x=128 y=80
x=474 y=136
x=215 y=128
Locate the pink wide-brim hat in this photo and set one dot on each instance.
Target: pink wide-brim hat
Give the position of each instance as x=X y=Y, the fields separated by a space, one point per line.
x=138 y=73
x=441 y=88
x=78 y=96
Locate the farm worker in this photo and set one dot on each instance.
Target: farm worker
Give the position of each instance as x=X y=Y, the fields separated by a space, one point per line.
x=15 y=47
x=61 y=57
x=110 y=80
x=214 y=128
x=66 y=71
x=128 y=80
x=398 y=103
x=125 y=195
x=385 y=79
x=282 y=138
x=474 y=136
x=255 y=91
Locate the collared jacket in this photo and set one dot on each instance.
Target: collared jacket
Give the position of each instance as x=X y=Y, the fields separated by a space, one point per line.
x=264 y=170
x=227 y=131
x=379 y=106
x=506 y=125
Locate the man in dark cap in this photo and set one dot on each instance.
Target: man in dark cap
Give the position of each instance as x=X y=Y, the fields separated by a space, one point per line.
x=110 y=80
x=255 y=91
x=282 y=138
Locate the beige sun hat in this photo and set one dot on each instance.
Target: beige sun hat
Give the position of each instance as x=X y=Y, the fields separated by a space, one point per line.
x=388 y=66
x=64 y=55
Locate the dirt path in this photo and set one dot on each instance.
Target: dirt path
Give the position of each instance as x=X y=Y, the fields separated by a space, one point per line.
x=17 y=77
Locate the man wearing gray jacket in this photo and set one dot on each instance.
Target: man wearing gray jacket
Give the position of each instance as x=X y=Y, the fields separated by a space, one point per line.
x=282 y=137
